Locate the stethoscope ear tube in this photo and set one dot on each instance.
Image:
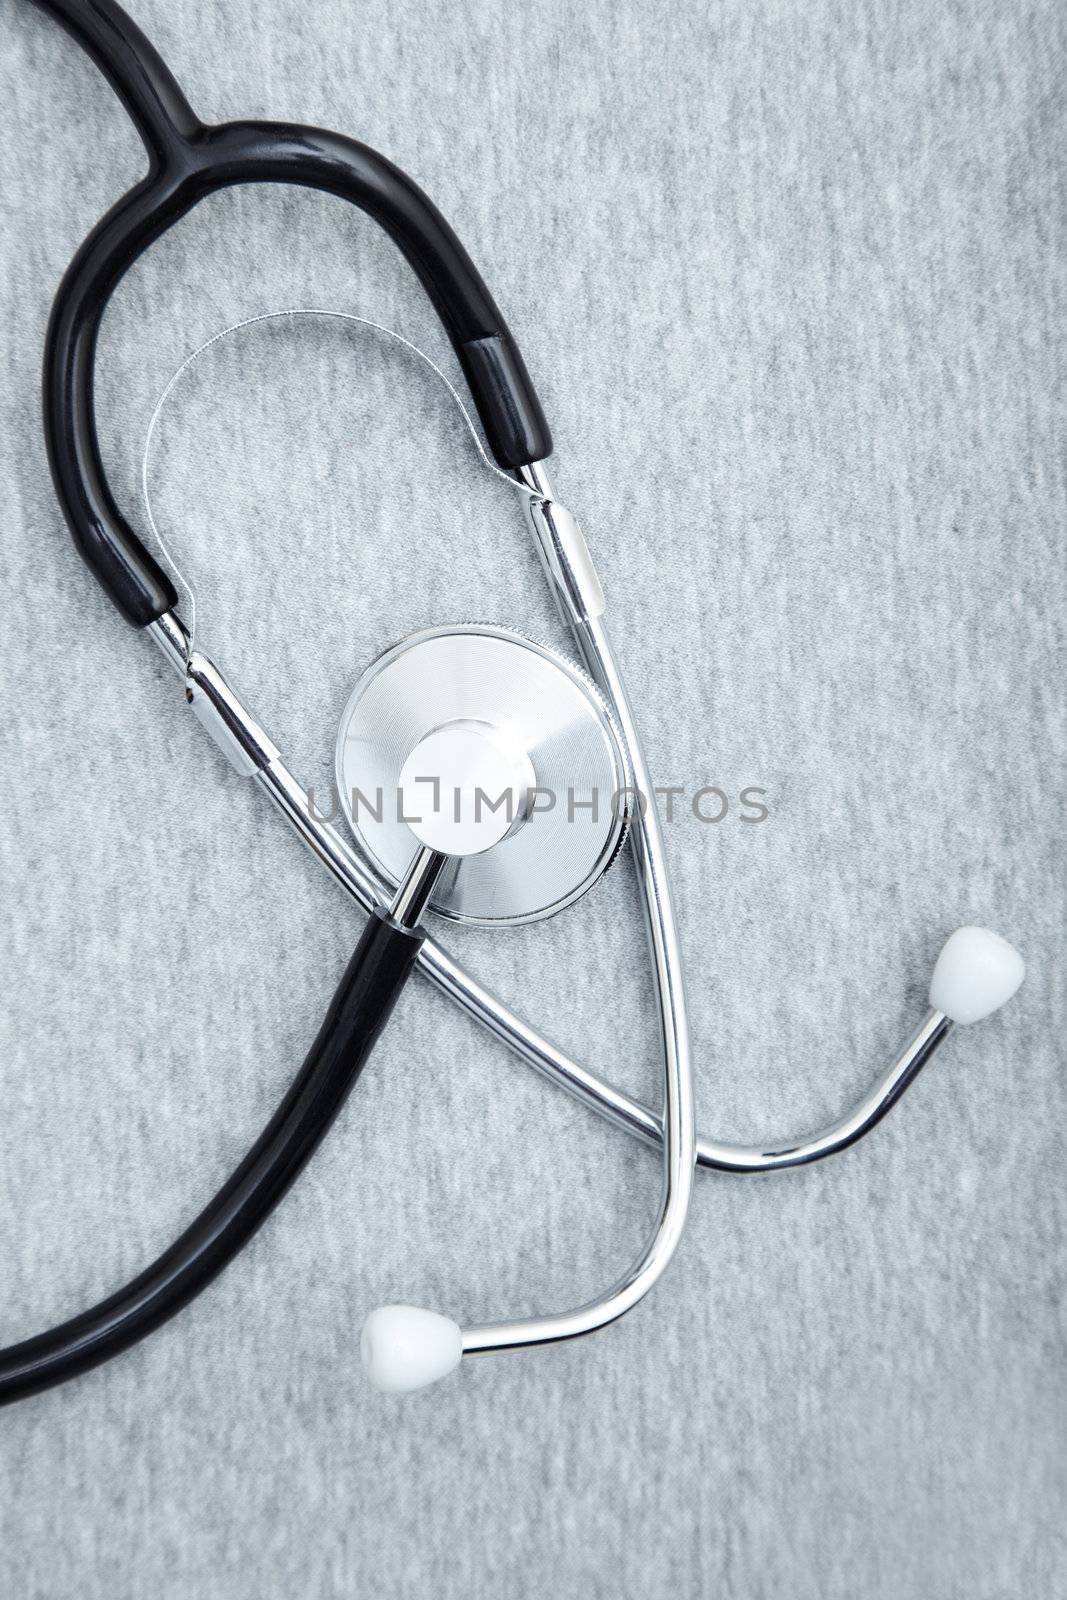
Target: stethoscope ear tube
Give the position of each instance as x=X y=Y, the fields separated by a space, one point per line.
x=374 y=977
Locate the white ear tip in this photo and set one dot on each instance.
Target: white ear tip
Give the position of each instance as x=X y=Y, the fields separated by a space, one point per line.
x=976 y=972
x=404 y=1347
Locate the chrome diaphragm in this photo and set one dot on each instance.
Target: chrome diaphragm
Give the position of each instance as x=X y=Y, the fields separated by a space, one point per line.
x=460 y=720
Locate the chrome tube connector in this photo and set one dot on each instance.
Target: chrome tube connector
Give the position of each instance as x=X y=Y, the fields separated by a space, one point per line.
x=219 y=711
x=568 y=566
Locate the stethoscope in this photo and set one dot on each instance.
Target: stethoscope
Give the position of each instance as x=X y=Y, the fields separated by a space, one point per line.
x=471 y=727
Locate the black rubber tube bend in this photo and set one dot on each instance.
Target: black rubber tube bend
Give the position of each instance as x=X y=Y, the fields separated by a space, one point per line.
x=365 y=997
x=187 y=161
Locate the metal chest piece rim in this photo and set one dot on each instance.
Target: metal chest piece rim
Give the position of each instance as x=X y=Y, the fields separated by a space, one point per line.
x=570 y=811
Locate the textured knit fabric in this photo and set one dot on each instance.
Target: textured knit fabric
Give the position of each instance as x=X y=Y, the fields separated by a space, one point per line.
x=790 y=279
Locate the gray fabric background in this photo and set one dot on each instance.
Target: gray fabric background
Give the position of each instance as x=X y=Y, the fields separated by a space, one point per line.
x=791 y=279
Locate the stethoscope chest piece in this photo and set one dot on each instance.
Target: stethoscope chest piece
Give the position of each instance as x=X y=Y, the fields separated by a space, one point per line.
x=458 y=724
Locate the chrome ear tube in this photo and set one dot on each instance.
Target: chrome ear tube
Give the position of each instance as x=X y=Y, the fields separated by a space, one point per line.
x=563 y=732
x=405 y=1347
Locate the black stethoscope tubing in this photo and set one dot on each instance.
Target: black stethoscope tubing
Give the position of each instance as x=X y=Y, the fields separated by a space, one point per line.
x=189 y=160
